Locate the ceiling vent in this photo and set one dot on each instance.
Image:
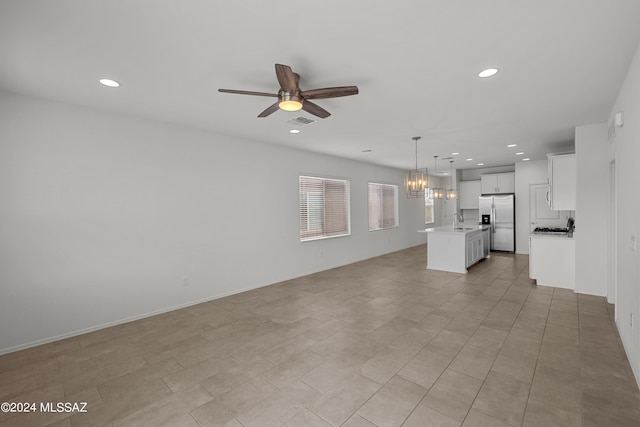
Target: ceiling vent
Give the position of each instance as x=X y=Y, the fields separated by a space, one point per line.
x=301 y=121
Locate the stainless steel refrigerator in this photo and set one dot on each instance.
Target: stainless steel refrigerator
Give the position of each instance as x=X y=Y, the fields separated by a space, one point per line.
x=499 y=212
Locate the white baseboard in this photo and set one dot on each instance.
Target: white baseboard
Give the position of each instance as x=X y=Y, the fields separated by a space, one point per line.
x=119 y=322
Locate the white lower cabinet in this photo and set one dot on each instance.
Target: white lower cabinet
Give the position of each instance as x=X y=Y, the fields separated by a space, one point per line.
x=486 y=241
x=552 y=261
x=475 y=250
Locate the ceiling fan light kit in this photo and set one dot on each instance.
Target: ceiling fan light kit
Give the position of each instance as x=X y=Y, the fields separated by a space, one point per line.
x=290 y=102
x=291 y=98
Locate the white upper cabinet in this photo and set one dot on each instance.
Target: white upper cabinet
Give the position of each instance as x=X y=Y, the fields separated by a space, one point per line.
x=498 y=183
x=562 y=182
x=469 y=193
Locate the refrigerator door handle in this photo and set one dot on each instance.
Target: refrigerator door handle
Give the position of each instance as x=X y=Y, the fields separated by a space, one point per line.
x=493 y=219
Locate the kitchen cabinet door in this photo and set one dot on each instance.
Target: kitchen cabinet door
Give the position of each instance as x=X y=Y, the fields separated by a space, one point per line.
x=486 y=242
x=498 y=183
x=474 y=248
x=489 y=184
x=506 y=182
x=562 y=182
x=469 y=193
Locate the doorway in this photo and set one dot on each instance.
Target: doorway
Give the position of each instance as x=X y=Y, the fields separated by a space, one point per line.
x=612 y=240
x=540 y=214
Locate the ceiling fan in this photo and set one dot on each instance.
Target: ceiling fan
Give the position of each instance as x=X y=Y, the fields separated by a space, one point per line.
x=291 y=98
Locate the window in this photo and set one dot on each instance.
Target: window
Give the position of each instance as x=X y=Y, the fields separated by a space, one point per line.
x=324 y=208
x=428 y=206
x=383 y=206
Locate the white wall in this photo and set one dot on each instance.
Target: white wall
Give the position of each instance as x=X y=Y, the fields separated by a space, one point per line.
x=626 y=151
x=527 y=173
x=101 y=215
x=592 y=197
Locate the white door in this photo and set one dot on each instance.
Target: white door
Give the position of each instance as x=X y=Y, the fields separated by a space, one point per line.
x=540 y=214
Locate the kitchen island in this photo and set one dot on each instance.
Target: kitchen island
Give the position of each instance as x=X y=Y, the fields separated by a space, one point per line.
x=455 y=249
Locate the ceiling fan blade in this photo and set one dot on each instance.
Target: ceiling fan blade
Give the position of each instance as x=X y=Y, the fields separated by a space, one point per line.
x=315 y=109
x=330 y=92
x=270 y=110
x=286 y=78
x=246 y=92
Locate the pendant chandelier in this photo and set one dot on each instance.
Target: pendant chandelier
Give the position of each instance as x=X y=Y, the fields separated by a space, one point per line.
x=452 y=194
x=437 y=192
x=415 y=181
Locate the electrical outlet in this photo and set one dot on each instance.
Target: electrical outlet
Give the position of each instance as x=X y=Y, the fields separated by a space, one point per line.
x=185 y=280
x=633 y=243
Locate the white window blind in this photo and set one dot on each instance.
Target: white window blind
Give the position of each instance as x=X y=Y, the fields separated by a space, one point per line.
x=383 y=206
x=324 y=208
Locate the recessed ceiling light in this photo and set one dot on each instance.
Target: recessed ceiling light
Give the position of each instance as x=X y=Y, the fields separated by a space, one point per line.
x=109 y=82
x=526 y=159
x=480 y=164
x=294 y=131
x=520 y=153
x=488 y=72
x=468 y=160
x=512 y=145
x=454 y=154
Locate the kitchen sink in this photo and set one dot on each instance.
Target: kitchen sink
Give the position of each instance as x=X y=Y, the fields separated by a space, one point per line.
x=464 y=228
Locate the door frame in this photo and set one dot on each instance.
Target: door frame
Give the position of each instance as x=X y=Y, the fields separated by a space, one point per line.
x=612 y=241
x=533 y=221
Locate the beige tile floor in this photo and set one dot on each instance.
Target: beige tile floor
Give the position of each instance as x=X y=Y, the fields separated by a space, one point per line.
x=382 y=342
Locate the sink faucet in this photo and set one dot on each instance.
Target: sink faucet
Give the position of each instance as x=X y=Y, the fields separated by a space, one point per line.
x=457 y=218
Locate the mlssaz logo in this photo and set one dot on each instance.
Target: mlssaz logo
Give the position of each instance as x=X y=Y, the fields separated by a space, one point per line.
x=67 y=407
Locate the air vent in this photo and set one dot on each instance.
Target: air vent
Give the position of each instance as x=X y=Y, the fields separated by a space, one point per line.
x=301 y=121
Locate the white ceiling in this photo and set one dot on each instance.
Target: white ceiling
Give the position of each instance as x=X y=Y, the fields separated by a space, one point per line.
x=561 y=64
